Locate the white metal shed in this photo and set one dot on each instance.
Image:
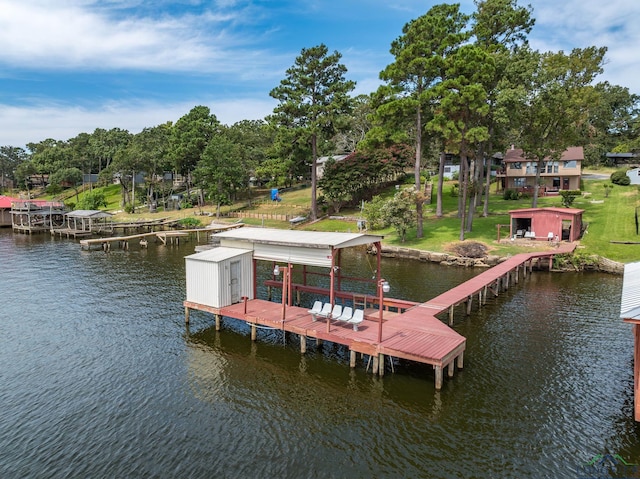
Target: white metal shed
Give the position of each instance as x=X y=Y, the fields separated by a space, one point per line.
x=220 y=276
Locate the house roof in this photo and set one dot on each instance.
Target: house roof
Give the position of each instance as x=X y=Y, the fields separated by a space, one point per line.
x=621 y=155
x=551 y=209
x=630 y=301
x=323 y=159
x=571 y=153
x=5 y=201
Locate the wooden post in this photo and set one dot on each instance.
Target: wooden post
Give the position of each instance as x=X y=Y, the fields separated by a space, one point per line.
x=450 y=369
x=253 y=332
x=217 y=322
x=318 y=342
x=460 y=360
x=375 y=364
x=469 y=301
x=486 y=288
x=381 y=365
x=517 y=274
x=352 y=358
x=186 y=314
x=451 y=314
x=303 y=343
x=438 y=377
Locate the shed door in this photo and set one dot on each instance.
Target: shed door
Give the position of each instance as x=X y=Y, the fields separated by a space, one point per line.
x=235 y=281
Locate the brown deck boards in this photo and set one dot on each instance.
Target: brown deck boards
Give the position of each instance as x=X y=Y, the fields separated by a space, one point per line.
x=415 y=334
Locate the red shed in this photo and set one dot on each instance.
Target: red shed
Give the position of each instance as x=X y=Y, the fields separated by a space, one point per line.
x=547 y=223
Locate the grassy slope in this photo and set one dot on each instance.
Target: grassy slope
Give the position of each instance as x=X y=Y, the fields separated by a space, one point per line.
x=609 y=218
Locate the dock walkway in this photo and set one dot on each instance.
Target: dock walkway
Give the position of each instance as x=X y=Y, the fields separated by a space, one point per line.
x=493 y=280
x=415 y=334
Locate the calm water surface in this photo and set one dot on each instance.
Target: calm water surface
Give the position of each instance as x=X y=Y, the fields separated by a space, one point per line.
x=99 y=378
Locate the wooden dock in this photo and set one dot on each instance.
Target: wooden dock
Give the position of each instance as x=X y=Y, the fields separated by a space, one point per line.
x=413 y=334
x=427 y=341
x=166 y=237
x=492 y=281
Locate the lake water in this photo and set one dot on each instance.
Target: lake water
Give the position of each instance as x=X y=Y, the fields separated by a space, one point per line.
x=100 y=378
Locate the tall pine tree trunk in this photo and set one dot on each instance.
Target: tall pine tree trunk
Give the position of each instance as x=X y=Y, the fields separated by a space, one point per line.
x=443 y=158
x=314 y=177
x=416 y=173
x=464 y=184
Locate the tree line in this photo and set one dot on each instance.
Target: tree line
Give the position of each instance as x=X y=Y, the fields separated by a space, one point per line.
x=463 y=84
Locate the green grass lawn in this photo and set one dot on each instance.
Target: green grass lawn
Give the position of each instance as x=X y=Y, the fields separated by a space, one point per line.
x=609 y=219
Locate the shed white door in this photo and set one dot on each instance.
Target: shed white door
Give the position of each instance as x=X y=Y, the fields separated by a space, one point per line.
x=235 y=281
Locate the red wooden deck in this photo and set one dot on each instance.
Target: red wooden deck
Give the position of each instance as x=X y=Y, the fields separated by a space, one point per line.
x=465 y=291
x=415 y=334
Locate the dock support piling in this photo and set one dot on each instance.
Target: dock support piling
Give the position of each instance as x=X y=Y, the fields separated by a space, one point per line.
x=450 y=369
x=254 y=332
x=375 y=364
x=381 y=365
x=217 y=322
x=438 y=377
x=460 y=360
x=451 y=314
x=186 y=315
x=303 y=344
x=352 y=358
x=469 y=302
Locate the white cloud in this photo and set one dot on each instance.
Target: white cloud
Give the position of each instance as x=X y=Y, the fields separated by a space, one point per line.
x=22 y=125
x=69 y=35
x=582 y=23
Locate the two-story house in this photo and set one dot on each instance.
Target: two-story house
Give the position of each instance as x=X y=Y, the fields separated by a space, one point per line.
x=519 y=173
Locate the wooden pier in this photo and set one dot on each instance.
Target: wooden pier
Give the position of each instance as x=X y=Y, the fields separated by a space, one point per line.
x=492 y=281
x=427 y=341
x=414 y=334
x=165 y=237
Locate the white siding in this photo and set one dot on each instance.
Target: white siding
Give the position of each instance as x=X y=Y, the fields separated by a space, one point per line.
x=292 y=254
x=209 y=276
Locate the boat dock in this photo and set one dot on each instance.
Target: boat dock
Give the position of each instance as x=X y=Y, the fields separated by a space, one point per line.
x=411 y=332
x=426 y=340
x=165 y=237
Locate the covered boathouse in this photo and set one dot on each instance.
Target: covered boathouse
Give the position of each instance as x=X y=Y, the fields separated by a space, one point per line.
x=307 y=265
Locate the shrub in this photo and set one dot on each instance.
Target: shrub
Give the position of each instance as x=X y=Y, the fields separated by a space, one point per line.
x=568 y=196
x=619 y=177
x=510 y=195
x=189 y=222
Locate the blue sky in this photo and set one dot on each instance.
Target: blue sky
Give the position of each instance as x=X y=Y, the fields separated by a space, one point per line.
x=70 y=66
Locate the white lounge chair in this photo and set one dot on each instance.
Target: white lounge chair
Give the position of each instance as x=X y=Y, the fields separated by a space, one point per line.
x=325 y=311
x=317 y=307
x=357 y=318
x=336 y=312
x=346 y=315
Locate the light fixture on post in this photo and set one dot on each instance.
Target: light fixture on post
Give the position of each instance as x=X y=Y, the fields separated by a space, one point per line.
x=286 y=286
x=383 y=287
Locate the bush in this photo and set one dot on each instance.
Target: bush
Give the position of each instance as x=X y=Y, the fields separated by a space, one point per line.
x=510 y=195
x=568 y=196
x=619 y=177
x=189 y=222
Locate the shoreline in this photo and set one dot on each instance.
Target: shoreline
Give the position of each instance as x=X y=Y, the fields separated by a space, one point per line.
x=588 y=263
